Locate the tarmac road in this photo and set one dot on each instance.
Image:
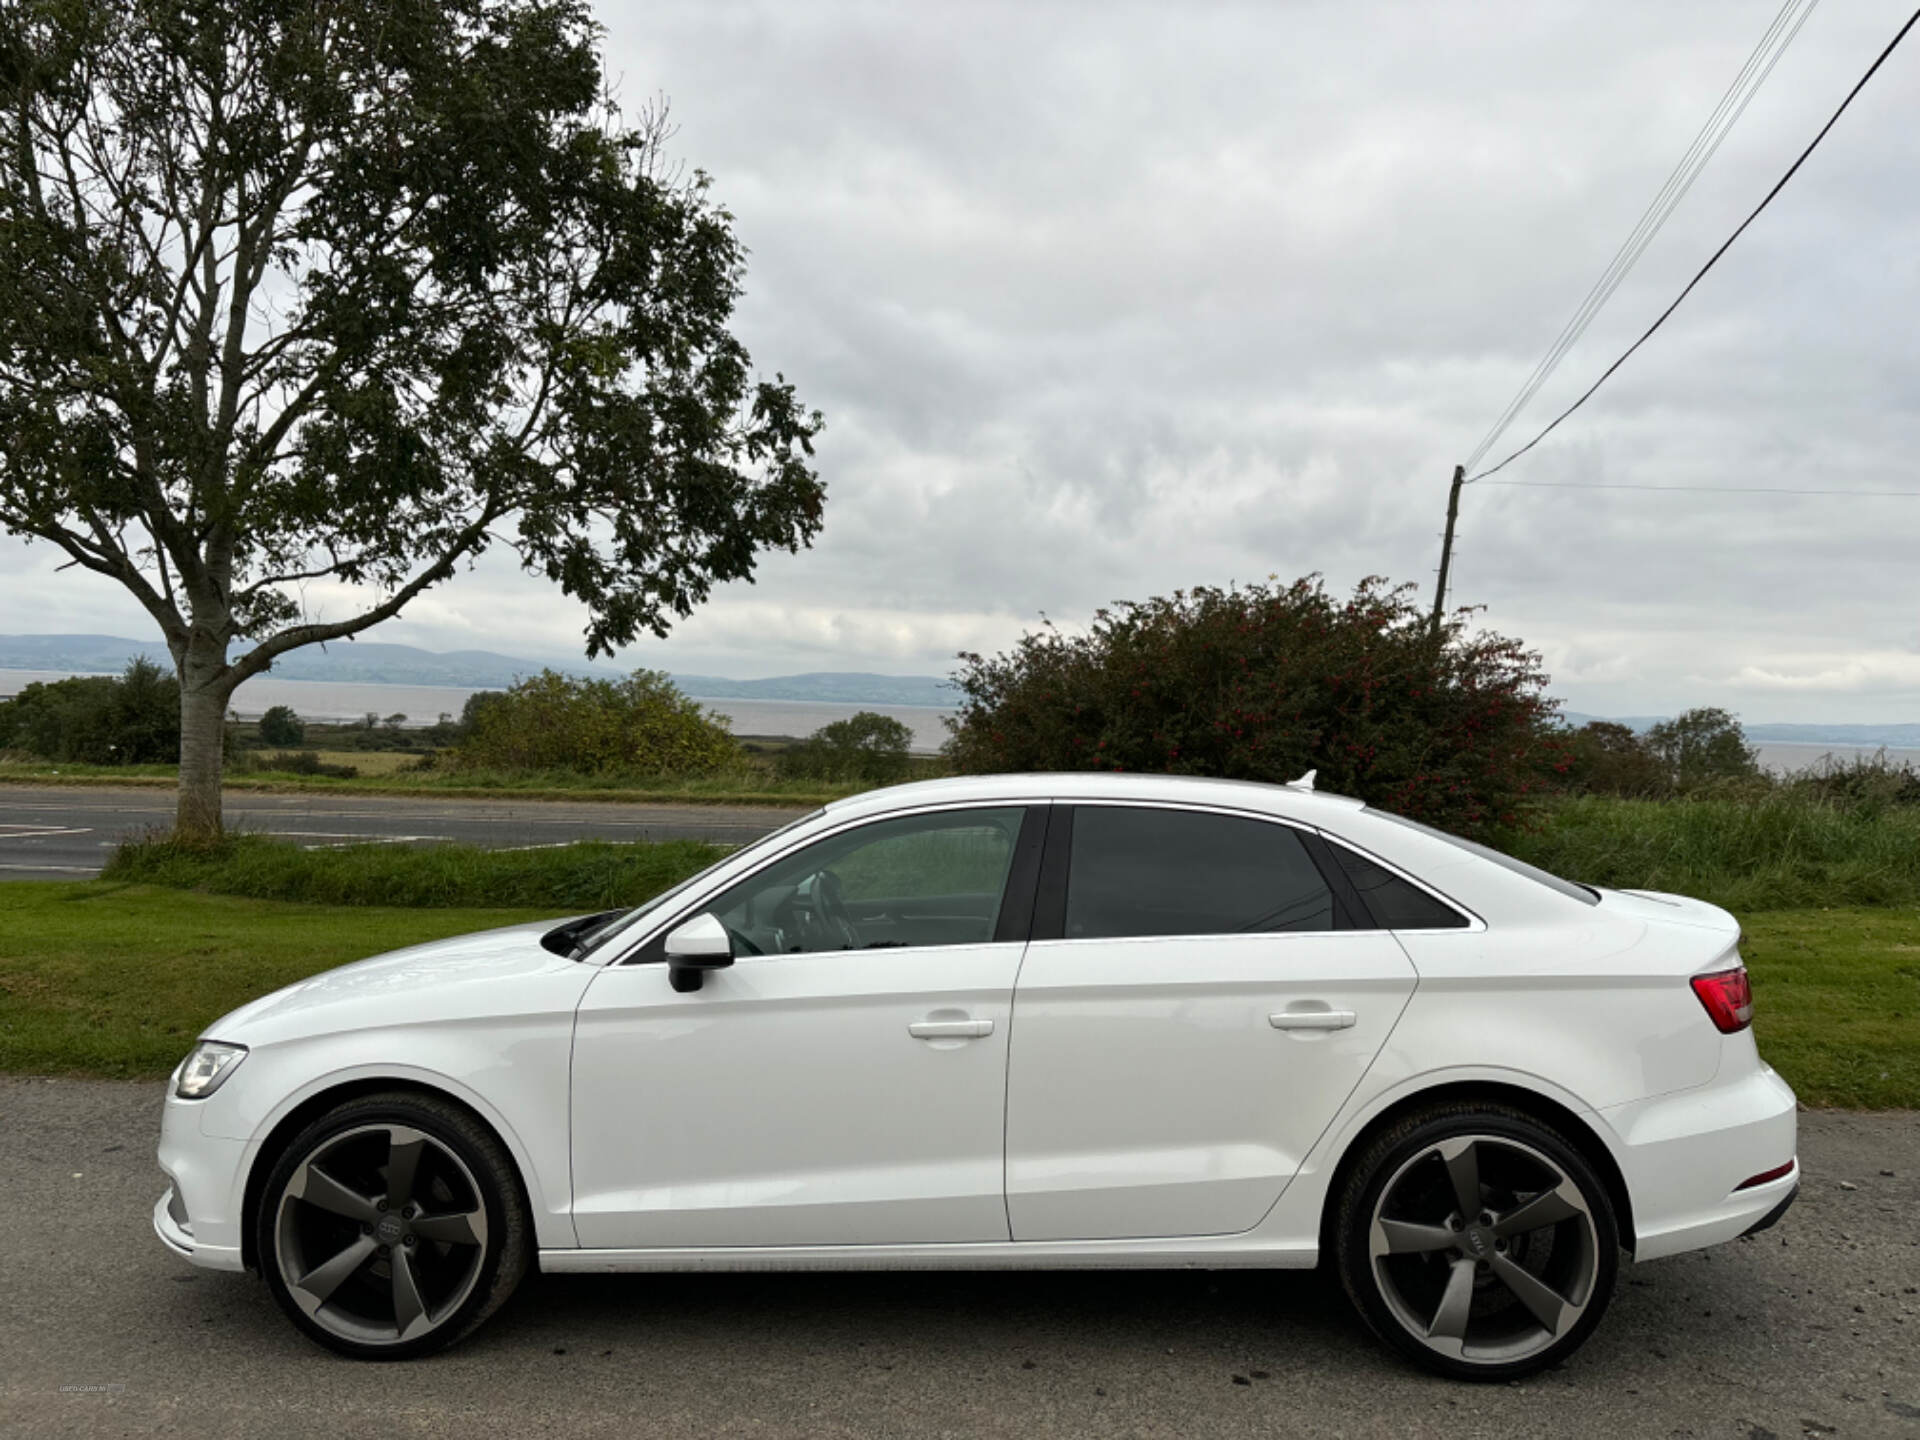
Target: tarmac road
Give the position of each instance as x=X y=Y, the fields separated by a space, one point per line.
x=67 y=834
x=1810 y=1329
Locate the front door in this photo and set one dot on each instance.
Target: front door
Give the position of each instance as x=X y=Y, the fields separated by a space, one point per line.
x=1201 y=1017
x=844 y=1080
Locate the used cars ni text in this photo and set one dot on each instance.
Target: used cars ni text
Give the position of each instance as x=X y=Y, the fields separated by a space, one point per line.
x=1025 y=1020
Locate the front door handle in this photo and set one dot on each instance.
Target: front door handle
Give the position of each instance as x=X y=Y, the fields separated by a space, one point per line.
x=950 y=1029
x=1311 y=1020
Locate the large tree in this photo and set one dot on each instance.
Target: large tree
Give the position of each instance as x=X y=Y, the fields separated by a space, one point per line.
x=306 y=303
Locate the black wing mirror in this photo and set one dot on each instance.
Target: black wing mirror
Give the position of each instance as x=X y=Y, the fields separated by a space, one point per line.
x=700 y=945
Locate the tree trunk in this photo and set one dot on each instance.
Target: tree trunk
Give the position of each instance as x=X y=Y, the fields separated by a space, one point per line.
x=204 y=692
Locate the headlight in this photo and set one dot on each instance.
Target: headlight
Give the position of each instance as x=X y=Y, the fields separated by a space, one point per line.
x=207 y=1068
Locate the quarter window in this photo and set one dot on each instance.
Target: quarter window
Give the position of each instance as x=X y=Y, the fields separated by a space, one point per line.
x=935 y=879
x=1183 y=872
x=1393 y=903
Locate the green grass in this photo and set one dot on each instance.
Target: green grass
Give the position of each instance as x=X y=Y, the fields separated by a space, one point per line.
x=750 y=786
x=1837 y=1003
x=591 y=875
x=1783 y=850
x=116 y=981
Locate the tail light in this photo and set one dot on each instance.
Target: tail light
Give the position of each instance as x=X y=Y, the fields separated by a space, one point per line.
x=1728 y=998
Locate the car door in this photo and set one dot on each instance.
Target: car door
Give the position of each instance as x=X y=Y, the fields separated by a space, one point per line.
x=1196 y=1004
x=843 y=1081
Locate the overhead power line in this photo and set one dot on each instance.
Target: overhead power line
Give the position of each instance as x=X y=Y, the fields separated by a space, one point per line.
x=1746 y=84
x=1704 y=489
x=1713 y=259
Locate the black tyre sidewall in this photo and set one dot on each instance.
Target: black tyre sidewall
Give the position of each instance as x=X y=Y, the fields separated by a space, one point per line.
x=500 y=1194
x=1400 y=1143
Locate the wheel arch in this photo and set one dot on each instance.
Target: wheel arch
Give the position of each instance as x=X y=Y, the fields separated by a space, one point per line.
x=1576 y=1128
x=309 y=1108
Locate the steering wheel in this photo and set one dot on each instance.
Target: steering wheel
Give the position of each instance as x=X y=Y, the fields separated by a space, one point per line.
x=827 y=912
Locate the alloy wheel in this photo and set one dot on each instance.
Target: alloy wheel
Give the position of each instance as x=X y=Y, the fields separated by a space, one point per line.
x=1484 y=1249
x=381 y=1234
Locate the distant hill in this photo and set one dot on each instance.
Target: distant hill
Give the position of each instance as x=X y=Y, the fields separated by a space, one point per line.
x=364 y=662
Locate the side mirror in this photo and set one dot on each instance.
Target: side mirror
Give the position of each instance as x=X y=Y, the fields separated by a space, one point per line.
x=700 y=945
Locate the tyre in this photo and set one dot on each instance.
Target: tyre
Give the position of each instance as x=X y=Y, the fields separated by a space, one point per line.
x=1477 y=1241
x=392 y=1226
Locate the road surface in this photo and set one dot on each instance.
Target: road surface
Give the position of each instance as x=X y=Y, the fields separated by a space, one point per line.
x=68 y=834
x=1812 y=1329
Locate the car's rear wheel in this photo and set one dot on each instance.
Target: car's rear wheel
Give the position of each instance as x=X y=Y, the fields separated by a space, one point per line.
x=392 y=1226
x=1477 y=1241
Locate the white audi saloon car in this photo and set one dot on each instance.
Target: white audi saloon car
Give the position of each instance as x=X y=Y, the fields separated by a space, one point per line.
x=1012 y=1021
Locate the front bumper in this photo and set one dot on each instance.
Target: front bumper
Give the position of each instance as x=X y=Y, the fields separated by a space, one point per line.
x=199 y=1216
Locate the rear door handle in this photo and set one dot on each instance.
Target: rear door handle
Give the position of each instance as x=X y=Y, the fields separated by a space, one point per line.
x=1311 y=1020
x=950 y=1029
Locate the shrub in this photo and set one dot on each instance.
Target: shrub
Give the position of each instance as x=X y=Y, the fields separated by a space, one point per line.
x=302 y=762
x=591 y=875
x=640 y=725
x=280 y=726
x=1265 y=682
x=1701 y=746
x=1606 y=758
x=132 y=719
x=865 y=746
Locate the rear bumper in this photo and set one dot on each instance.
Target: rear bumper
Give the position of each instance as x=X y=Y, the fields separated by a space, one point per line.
x=1685 y=1158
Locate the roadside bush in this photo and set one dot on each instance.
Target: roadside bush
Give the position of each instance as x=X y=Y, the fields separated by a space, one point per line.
x=1605 y=758
x=1266 y=682
x=638 y=726
x=130 y=719
x=572 y=878
x=281 y=727
x=300 y=762
x=864 y=746
x=1699 y=747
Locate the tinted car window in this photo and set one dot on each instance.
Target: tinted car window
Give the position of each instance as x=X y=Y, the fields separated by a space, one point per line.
x=1181 y=872
x=935 y=879
x=1393 y=903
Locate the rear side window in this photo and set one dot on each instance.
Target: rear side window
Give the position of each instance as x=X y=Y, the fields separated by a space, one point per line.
x=1393 y=903
x=1137 y=872
x=1585 y=894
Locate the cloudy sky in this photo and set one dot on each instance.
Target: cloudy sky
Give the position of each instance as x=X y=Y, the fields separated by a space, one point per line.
x=1102 y=300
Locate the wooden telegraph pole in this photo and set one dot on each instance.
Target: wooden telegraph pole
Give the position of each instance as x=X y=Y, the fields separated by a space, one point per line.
x=1446 y=548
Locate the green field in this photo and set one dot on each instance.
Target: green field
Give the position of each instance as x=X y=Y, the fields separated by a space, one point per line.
x=106 y=979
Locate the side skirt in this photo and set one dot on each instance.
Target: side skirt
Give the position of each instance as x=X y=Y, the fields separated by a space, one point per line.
x=1175 y=1253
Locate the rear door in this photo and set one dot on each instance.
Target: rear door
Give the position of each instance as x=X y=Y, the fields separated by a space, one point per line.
x=1195 y=1006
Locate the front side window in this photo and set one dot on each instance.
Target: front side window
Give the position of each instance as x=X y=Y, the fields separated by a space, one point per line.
x=935 y=879
x=1138 y=872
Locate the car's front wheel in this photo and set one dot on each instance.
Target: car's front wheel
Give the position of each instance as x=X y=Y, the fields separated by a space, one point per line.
x=392 y=1226
x=1476 y=1240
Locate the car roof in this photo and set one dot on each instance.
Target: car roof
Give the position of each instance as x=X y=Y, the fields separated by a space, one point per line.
x=1286 y=800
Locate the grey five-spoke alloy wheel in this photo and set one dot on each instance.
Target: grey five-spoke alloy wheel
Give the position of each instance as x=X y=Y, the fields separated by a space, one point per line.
x=1476 y=1240
x=392 y=1226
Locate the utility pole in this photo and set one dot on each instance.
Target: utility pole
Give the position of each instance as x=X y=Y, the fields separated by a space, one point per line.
x=1446 y=548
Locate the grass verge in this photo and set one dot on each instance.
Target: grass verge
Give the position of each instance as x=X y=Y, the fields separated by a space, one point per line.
x=116 y=980
x=745 y=788
x=590 y=875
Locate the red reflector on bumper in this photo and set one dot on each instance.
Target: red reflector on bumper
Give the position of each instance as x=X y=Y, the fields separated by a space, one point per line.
x=1779 y=1172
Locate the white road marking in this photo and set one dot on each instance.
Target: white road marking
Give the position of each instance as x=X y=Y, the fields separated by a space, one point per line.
x=63 y=869
x=21 y=832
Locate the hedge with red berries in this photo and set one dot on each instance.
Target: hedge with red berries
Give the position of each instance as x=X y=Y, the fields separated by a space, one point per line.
x=1265 y=682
